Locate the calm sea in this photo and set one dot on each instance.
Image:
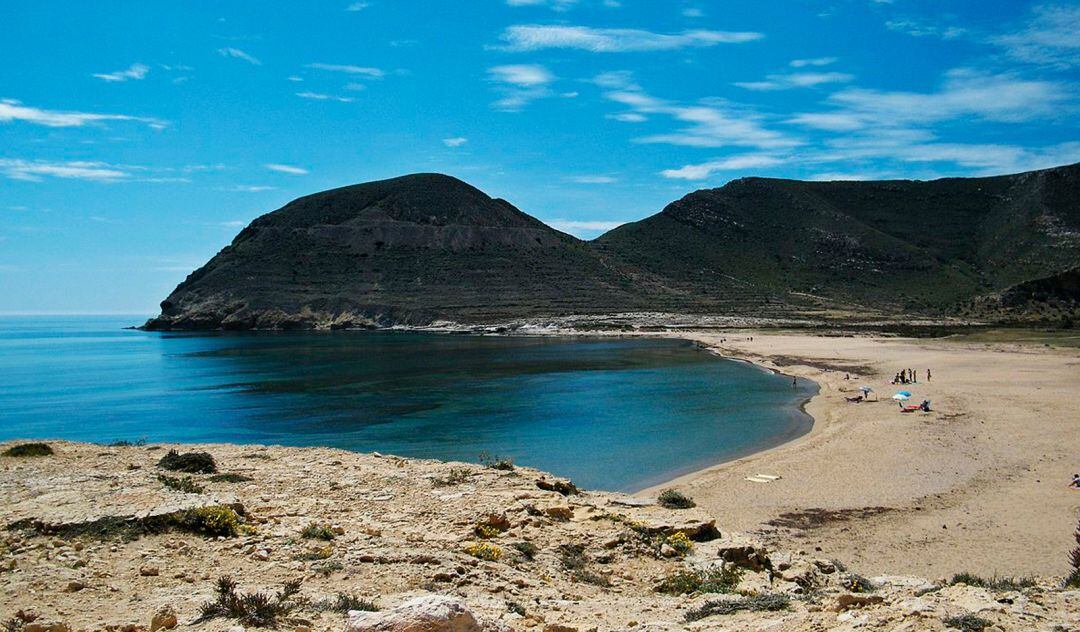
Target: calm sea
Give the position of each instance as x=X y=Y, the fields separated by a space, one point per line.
x=617 y=414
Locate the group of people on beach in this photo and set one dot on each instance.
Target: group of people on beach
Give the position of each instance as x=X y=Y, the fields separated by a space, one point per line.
x=909 y=376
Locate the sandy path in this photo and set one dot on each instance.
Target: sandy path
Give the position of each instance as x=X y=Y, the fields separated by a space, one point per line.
x=978 y=485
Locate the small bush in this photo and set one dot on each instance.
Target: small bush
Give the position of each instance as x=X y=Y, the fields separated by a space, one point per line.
x=496 y=462
x=190 y=462
x=124 y=443
x=572 y=556
x=315 y=555
x=993 y=583
x=344 y=602
x=328 y=568
x=254 y=609
x=229 y=478
x=528 y=550
x=1073 y=580
x=566 y=488
x=672 y=499
x=680 y=542
x=485 y=551
x=456 y=476
x=186 y=484
x=210 y=521
x=316 y=531
x=858 y=584
x=486 y=531
x=29 y=449
x=516 y=608
x=715 y=580
x=967 y=623
x=759 y=603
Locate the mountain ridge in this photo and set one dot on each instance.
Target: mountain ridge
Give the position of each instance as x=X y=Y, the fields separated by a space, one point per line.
x=426 y=247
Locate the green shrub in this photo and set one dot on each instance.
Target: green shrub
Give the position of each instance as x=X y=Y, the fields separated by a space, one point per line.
x=344 y=602
x=229 y=478
x=528 y=550
x=858 y=584
x=993 y=583
x=29 y=449
x=680 y=542
x=485 y=551
x=714 y=580
x=186 y=484
x=496 y=462
x=124 y=443
x=760 y=603
x=967 y=623
x=456 y=476
x=253 y=609
x=210 y=521
x=316 y=531
x=1073 y=580
x=190 y=462
x=672 y=499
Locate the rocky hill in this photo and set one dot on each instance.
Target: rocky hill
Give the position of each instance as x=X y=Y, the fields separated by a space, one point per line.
x=428 y=247
x=129 y=538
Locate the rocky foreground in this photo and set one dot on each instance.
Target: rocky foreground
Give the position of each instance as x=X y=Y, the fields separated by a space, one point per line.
x=106 y=538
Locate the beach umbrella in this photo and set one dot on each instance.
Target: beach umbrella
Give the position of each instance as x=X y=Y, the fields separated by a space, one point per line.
x=866 y=389
x=902 y=396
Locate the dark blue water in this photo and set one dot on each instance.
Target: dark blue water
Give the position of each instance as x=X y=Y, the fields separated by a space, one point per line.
x=609 y=413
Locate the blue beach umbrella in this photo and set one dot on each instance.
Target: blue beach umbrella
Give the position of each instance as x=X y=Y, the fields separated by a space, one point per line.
x=901 y=396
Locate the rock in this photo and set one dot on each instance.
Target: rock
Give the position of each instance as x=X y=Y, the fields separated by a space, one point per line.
x=696 y=530
x=302 y=628
x=164 y=619
x=556 y=627
x=825 y=566
x=429 y=613
x=74 y=586
x=262 y=555
x=337 y=530
x=751 y=557
x=235 y=628
x=149 y=571
x=495 y=521
x=559 y=512
x=800 y=572
x=848 y=601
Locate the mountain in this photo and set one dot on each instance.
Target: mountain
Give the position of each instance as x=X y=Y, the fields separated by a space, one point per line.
x=910 y=246
x=406 y=250
x=427 y=247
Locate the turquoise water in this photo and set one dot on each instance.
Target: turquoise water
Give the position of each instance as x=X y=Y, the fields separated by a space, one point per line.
x=617 y=414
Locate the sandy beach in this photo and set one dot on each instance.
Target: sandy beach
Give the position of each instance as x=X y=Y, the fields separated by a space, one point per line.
x=979 y=484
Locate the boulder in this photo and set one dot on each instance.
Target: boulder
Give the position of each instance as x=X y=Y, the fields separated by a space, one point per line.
x=429 y=613
x=755 y=558
x=848 y=601
x=164 y=619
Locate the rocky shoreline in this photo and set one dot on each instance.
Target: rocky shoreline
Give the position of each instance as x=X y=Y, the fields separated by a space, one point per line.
x=104 y=538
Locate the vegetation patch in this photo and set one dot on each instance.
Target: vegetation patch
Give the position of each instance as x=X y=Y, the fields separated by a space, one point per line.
x=496 y=462
x=566 y=488
x=456 y=476
x=256 y=609
x=229 y=477
x=1073 y=580
x=575 y=560
x=993 y=583
x=344 y=602
x=124 y=443
x=185 y=484
x=672 y=499
x=759 y=603
x=680 y=542
x=29 y=449
x=714 y=580
x=967 y=623
x=189 y=462
x=316 y=531
x=485 y=551
x=858 y=584
x=315 y=555
x=211 y=521
x=816 y=518
x=528 y=550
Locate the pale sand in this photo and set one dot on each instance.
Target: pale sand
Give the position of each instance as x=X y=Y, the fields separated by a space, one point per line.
x=980 y=484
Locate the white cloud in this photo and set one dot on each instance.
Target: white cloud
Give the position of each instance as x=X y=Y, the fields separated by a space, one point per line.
x=796 y=80
x=318 y=96
x=531 y=37
x=693 y=12
x=521 y=84
x=134 y=72
x=709 y=123
x=37 y=170
x=289 y=169
x=12 y=110
x=374 y=73
x=557 y=5
x=628 y=117
x=248 y=188
x=236 y=53
x=580 y=228
x=593 y=179
x=816 y=61
x=358 y=6
x=1051 y=37
x=295 y=78
x=706 y=169
x=456 y=141
x=236 y=223
x=918 y=28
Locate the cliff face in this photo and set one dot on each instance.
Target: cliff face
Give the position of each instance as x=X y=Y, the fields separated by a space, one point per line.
x=428 y=247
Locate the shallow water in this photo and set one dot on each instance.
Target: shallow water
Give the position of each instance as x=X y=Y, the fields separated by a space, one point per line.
x=617 y=414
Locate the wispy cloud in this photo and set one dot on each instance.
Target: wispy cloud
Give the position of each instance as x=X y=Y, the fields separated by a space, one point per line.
x=289 y=169
x=920 y=28
x=366 y=71
x=816 y=61
x=319 y=96
x=557 y=5
x=134 y=72
x=583 y=229
x=248 y=188
x=730 y=163
x=38 y=170
x=593 y=179
x=12 y=110
x=707 y=123
x=357 y=6
x=236 y=53
x=520 y=84
x=1051 y=37
x=796 y=80
x=532 y=37
x=456 y=141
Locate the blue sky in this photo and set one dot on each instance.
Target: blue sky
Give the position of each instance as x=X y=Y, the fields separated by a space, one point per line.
x=136 y=138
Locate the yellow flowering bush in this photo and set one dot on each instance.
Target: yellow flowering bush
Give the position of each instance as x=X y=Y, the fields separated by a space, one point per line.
x=485 y=551
x=680 y=543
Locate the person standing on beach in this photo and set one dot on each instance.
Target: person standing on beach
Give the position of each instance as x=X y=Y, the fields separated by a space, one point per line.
x=928 y=375
x=794 y=382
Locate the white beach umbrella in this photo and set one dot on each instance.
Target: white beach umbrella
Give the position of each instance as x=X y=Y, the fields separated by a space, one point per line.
x=902 y=396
